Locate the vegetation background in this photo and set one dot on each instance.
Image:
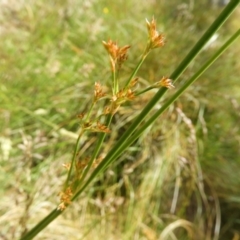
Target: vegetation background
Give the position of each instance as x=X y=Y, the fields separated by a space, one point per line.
x=180 y=180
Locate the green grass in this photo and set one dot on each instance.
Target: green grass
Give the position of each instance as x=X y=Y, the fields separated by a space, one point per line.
x=50 y=56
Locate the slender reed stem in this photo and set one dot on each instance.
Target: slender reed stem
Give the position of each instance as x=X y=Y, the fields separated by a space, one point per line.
x=41 y=225
x=90 y=112
x=145 y=90
x=115 y=85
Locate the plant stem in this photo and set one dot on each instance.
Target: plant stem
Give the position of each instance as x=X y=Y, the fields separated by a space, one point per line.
x=73 y=158
x=41 y=225
x=96 y=150
x=115 y=85
x=145 y=90
x=90 y=112
x=136 y=70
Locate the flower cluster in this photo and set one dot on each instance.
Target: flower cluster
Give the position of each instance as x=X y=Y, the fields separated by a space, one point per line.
x=117 y=54
x=93 y=120
x=98 y=92
x=123 y=96
x=156 y=40
x=96 y=127
x=165 y=82
x=65 y=199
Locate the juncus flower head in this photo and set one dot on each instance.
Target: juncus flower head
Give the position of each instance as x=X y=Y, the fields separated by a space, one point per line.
x=156 y=39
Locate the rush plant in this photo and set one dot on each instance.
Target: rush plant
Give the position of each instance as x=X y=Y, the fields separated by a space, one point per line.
x=82 y=170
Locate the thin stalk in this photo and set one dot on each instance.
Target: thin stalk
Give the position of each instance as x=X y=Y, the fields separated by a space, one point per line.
x=111 y=156
x=96 y=150
x=145 y=90
x=41 y=225
x=115 y=86
x=73 y=158
x=136 y=70
x=90 y=111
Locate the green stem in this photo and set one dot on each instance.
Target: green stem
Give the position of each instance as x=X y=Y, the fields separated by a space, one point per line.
x=145 y=90
x=96 y=150
x=73 y=158
x=90 y=112
x=115 y=86
x=135 y=70
x=41 y=225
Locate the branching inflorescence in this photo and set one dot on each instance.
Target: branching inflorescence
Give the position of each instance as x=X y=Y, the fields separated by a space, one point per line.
x=89 y=122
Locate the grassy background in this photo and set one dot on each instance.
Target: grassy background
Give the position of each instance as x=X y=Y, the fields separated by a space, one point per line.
x=180 y=177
